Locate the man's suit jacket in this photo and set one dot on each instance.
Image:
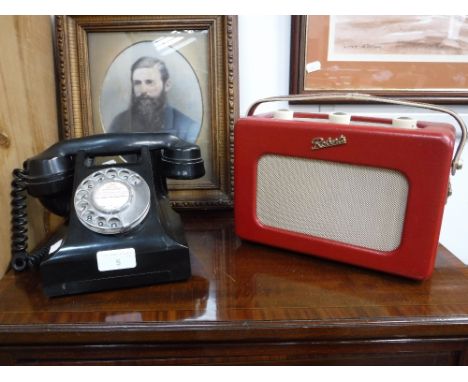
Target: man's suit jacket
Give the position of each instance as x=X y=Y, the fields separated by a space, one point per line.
x=175 y=123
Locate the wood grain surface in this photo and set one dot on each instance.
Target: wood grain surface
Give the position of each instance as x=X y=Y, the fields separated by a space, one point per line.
x=244 y=304
x=28 y=111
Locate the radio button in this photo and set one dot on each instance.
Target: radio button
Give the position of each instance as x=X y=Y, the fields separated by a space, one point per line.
x=340 y=117
x=283 y=114
x=405 y=122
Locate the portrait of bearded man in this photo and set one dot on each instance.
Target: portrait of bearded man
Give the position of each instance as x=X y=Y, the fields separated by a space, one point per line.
x=149 y=110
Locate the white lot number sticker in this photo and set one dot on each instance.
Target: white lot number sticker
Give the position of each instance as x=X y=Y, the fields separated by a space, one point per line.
x=116 y=259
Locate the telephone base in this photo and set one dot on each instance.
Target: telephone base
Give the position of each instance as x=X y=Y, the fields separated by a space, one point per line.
x=67 y=283
x=128 y=281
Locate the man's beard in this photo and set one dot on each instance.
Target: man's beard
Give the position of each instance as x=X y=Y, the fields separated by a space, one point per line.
x=149 y=111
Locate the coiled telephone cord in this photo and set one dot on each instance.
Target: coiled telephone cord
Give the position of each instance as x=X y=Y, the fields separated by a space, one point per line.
x=21 y=259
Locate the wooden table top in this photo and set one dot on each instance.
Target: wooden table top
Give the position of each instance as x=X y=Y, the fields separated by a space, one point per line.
x=240 y=290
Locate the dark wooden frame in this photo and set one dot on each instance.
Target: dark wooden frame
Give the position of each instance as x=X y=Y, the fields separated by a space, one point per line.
x=74 y=89
x=297 y=69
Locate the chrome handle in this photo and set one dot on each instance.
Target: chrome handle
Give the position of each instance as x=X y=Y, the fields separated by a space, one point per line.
x=456 y=162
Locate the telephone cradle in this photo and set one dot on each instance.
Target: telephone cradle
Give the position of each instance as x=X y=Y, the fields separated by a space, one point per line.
x=120 y=229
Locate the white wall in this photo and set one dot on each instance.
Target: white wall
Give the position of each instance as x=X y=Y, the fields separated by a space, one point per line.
x=264 y=43
x=263 y=57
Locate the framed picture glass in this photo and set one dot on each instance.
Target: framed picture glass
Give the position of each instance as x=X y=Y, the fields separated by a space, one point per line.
x=175 y=74
x=419 y=57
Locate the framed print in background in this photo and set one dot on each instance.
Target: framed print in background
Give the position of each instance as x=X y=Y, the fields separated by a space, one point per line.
x=99 y=58
x=416 y=57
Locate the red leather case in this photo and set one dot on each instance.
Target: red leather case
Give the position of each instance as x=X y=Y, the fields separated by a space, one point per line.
x=422 y=155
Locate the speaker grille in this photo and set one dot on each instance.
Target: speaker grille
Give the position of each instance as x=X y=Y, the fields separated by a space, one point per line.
x=357 y=205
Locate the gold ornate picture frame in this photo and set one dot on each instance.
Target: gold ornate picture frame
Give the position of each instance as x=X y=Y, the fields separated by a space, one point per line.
x=95 y=54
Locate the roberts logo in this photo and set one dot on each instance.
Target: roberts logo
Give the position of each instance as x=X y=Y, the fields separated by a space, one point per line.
x=322 y=143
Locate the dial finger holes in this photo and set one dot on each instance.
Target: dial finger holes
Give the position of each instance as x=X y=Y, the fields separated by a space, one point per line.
x=98 y=176
x=82 y=195
x=89 y=216
x=124 y=174
x=135 y=180
x=115 y=223
x=111 y=173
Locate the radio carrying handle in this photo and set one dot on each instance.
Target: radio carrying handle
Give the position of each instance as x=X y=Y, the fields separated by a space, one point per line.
x=456 y=162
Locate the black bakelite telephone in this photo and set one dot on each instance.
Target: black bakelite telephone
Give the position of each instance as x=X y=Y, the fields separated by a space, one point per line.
x=121 y=230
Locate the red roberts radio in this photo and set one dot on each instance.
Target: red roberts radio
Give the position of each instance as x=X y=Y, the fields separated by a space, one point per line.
x=361 y=190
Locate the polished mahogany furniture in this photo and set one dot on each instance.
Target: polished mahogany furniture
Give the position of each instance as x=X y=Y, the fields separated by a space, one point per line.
x=245 y=304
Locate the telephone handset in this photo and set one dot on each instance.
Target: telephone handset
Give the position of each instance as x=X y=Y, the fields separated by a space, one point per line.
x=121 y=230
